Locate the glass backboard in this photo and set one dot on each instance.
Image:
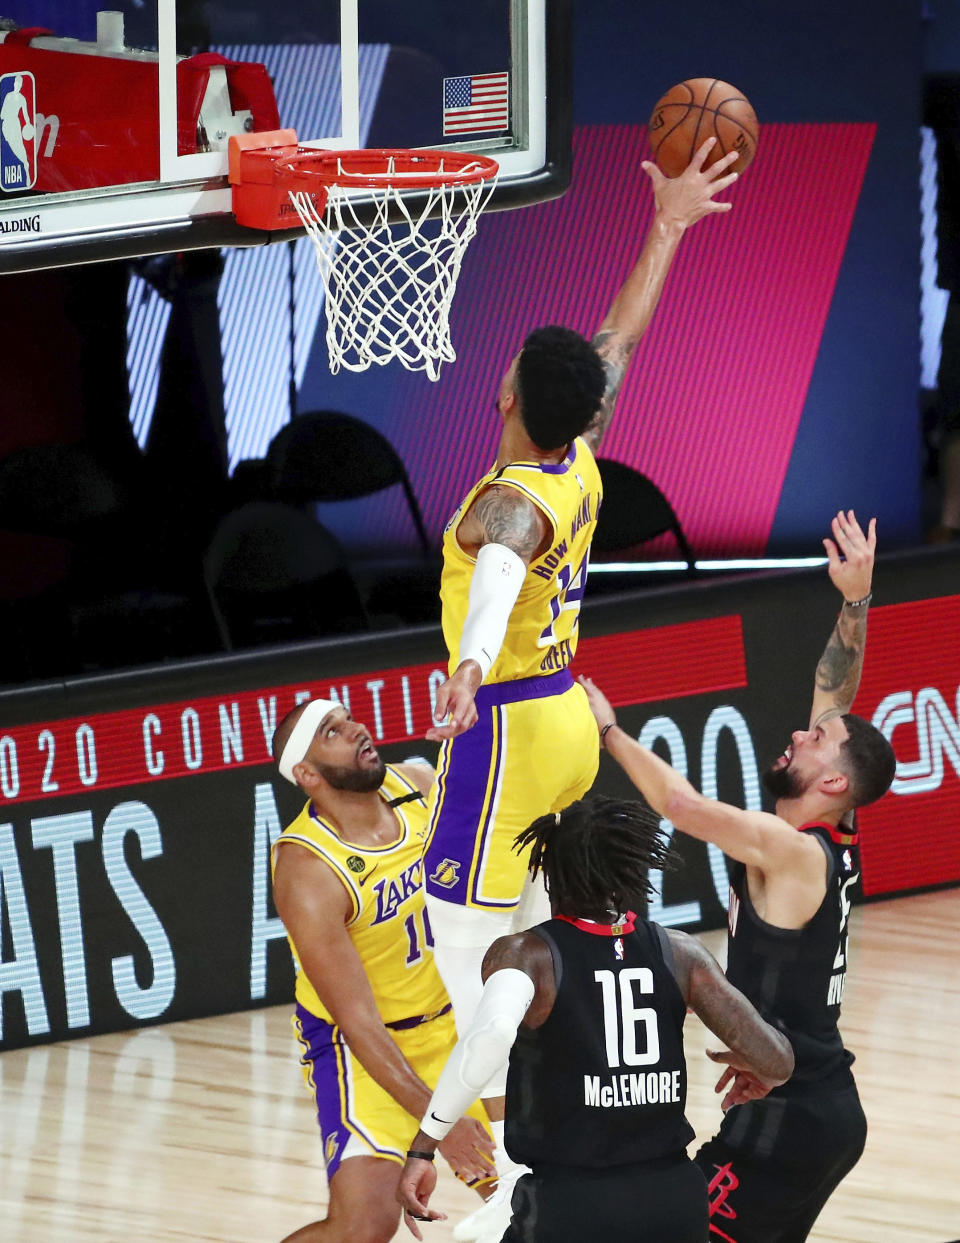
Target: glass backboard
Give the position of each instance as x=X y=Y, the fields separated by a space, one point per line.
x=115 y=124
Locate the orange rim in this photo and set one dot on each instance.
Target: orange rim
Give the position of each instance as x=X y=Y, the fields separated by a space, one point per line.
x=384 y=167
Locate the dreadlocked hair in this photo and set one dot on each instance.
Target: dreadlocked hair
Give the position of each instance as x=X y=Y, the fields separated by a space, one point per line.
x=596 y=855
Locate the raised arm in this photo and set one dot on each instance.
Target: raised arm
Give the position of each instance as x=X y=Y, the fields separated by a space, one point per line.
x=680 y=202
x=314 y=908
x=850 y=556
x=760 y=1057
x=755 y=838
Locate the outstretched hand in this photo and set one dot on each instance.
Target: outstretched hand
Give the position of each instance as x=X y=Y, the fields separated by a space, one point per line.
x=468 y=1150
x=688 y=197
x=850 y=555
x=743 y=1084
x=603 y=713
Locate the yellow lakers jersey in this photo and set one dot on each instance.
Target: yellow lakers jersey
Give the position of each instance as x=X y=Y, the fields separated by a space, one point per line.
x=387 y=922
x=542 y=635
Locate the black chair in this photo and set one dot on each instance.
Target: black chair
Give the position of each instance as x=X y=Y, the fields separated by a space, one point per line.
x=634 y=511
x=321 y=458
x=274 y=574
x=328 y=456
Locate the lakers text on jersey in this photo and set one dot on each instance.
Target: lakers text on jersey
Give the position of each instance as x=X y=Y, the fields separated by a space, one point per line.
x=388 y=922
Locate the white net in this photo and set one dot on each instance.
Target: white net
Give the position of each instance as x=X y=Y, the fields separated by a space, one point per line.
x=389 y=287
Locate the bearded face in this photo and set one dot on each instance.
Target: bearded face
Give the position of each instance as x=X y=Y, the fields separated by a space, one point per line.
x=782 y=781
x=353 y=780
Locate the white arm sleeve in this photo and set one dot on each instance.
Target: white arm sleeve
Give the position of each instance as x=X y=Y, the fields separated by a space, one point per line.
x=481 y=1050
x=494 y=588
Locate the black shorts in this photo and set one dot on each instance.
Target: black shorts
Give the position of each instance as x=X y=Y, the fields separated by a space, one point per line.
x=776 y=1162
x=662 y=1201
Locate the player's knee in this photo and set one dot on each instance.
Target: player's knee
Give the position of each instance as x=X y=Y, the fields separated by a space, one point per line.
x=369 y=1222
x=364 y=1210
x=375 y=1232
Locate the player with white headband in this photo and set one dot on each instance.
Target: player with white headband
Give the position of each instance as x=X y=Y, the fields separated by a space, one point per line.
x=372 y=1018
x=301 y=736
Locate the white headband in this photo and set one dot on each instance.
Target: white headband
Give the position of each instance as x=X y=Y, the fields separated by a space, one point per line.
x=301 y=736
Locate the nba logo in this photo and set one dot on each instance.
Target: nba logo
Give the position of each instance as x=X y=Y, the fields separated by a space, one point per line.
x=618 y=949
x=18 y=132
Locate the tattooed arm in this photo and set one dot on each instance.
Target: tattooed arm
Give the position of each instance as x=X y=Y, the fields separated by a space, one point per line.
x=680 y=202
x=838 y=673
x=760 y=1056
x=504 y=531
x=502 y=515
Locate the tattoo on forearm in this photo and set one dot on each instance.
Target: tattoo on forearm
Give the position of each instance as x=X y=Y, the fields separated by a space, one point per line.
x=733 y=1019
x=510 y=519
x=838 y=673
x=615 y=352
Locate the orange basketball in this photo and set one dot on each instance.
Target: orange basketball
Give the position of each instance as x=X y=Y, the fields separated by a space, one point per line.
x=698 y=109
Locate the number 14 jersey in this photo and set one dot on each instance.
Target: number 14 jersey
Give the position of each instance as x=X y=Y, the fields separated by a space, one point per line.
x=542 y=635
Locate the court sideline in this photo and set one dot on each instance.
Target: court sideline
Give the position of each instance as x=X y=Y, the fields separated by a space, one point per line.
x=202 y=1130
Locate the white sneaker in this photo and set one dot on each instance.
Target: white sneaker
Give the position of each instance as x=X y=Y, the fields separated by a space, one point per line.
x=487 y=1223
x=498 y=1226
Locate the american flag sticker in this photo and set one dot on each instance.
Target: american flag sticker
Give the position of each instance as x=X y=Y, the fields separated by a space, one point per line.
x=478 y=103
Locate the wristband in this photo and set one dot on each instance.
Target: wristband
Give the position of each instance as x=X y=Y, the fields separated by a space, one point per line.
x=859 y=604
x=609 y=725
x=419 y=1155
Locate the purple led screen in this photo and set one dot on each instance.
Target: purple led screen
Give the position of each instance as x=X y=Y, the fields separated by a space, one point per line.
x=714 y=396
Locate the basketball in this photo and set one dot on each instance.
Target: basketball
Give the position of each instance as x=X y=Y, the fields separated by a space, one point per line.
x=28 y=132
x=698 y=109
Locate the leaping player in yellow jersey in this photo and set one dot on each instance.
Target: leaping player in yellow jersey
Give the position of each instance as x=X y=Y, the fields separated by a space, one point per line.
x=372 y=1017
x=518 y=738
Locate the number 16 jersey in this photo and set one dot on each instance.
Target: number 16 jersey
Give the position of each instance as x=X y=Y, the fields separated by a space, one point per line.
x=603 y=1080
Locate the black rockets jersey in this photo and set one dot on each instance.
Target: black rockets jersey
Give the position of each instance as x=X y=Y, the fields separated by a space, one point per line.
x=603 y=1080
x=795 y=977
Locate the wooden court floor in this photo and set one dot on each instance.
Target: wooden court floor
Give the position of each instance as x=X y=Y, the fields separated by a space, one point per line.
x=202 y=1130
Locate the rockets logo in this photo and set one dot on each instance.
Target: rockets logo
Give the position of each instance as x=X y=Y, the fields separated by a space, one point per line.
x=718 y=1189
x=18 y=132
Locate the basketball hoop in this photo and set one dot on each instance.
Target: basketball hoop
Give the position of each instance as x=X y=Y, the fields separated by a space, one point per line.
x=389 y=263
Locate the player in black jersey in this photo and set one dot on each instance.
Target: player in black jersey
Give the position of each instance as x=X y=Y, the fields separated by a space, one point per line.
x=776 y=1161
x=590 y=1006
